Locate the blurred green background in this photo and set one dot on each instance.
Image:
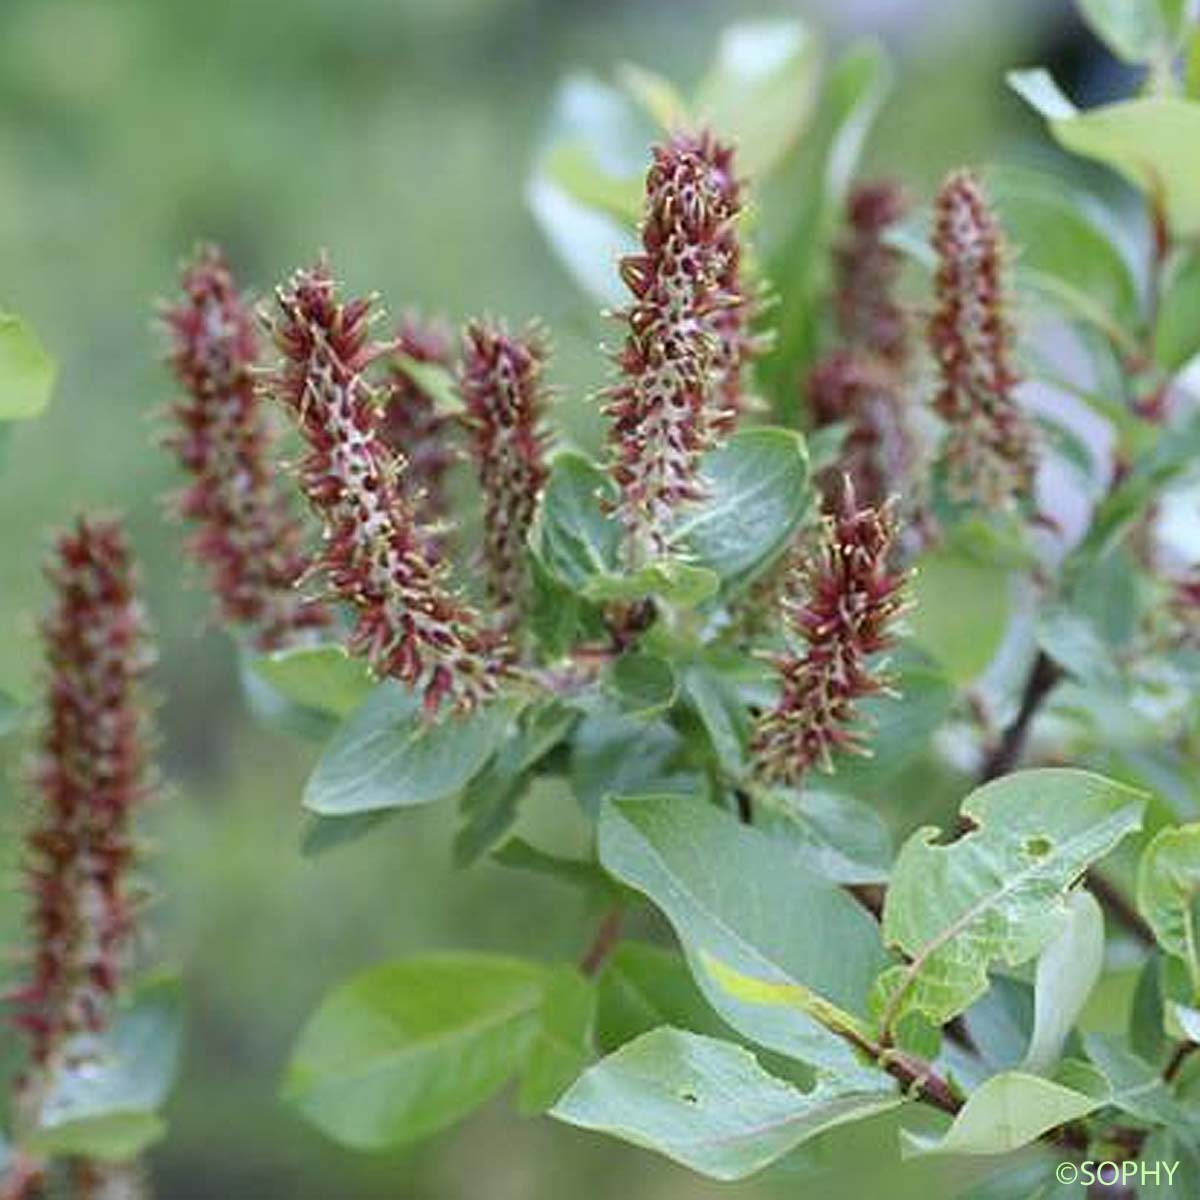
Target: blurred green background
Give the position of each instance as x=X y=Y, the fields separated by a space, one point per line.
x=397 y=134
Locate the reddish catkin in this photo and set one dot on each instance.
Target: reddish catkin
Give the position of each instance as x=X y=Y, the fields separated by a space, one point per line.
x=841 y=606
x=686 y=338
x=862 y=384
x=867 y=270
x=504 y=395
x=879 y=450
x=376 y=557
x=245 y=538
x=412 y=426
x=989 y=447
x=90 y=776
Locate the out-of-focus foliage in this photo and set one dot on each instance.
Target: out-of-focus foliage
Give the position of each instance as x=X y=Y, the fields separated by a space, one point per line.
x=399 y=136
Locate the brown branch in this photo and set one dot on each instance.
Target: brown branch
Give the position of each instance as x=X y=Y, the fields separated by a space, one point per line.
x=1043 y=677
x=1178 y=1058
x=870 y=895
x=916 y=1075
x=1005 y=757
x=608 y=934
x=1117 y=906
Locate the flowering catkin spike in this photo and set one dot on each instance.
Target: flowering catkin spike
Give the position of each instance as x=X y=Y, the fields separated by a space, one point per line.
x=504 y=394
x=866 y=395
x=376 y=556
x=870 y=318
x=989 y=448
x=248 y=542
x=90 y=775
x=412 y=426
x=863 y=383
x=686 y=337
x=841 y=606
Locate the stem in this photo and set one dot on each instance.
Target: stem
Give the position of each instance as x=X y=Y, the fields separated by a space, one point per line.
x=1178 y=1058
x=1043 y=676
x=870 y=895
x=1117 y=906
x=604 y=942
x=745 y=807
x=916 y=1074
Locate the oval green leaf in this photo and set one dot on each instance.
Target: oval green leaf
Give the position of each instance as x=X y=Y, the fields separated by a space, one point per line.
x=27 y=372
x=389 y=755
x=707 y=1103
x=408 y=1048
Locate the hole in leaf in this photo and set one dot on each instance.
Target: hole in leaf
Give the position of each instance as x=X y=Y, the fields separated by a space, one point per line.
x=1038 y=847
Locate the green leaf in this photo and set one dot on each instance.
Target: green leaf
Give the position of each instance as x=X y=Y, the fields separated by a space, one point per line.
x=657 y=97
x=575 y=538
x=564 y=198
x=1073 y=641
x=1067 y=970
x=998 y=893
x=1176 y=331
x=850 y=101
x=760 y=91
x=562 y=1044
x=322 y=834
x=1137 y=1088
x=743 y=904
x=758 y=493
x=722 y=712
x=644 y=986
x=1178 y=1161
x=109 y=1137
x=1168 y=894
x=274 y=709
x=835 y=836
x=1174 y=452
x=434 y=379
x=708 y=1104
x=1005 y=1113
x=960 y=612
x=27 y=372
x=323 y=678
x=1148 y=140
x=1146 y=1036
x=669 y=579
x=612 y=753
x=1000 y=1023
x=556 y=613
x=520 y=855
x=573 y=165
x=103 y=1103
x=389 y=755
x=489 y=801
x=405 y=1049
x=1134 y=30
x=1056 y=237
x=643 y=684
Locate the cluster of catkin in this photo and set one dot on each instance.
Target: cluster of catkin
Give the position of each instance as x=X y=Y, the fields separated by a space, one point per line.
x=377 y=448
x=841 y=599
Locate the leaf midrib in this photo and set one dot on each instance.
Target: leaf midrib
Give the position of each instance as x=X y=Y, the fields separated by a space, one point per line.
x=394 y=1059
x=984 y=903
